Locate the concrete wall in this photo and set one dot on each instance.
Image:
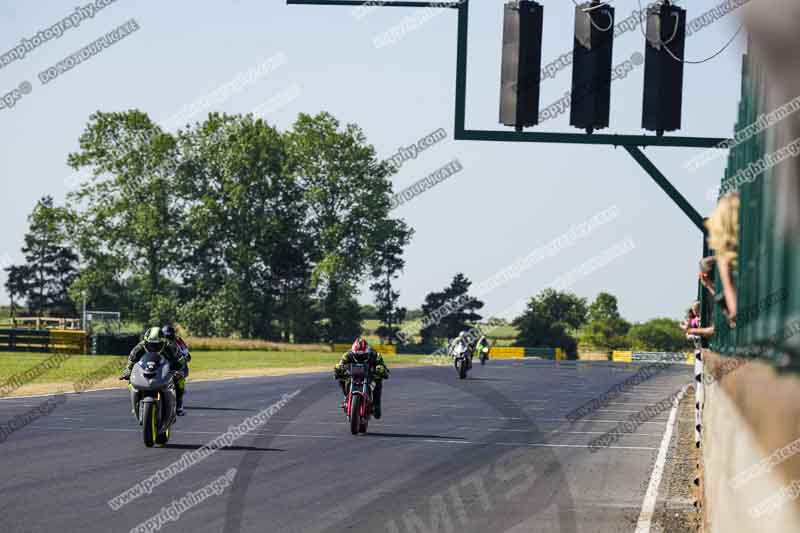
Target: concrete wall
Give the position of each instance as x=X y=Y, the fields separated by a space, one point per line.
x=749 y=415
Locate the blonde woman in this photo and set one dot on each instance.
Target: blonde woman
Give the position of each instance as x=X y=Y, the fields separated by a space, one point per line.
x=723 y=237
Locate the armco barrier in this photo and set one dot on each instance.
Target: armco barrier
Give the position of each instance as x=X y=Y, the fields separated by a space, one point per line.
x=621 y=356
x=24 y=340
x=68 y=341
x=497 y=352
x=548 y=353
x=662 y=357
x=43 y=340
x=506 y=352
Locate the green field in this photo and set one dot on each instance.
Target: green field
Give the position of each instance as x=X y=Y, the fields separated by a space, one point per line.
x=79 y=366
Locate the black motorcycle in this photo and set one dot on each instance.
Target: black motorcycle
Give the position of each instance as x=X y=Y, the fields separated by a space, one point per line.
x=153 y=398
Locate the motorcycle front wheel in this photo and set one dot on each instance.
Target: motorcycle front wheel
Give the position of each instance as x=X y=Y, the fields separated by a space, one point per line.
x=149 y=424
x=163 y=438
x=355 y=416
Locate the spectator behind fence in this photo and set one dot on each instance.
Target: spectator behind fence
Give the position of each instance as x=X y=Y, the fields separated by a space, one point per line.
x=723 y=237
x=692 y=326
x=694 y=314
x=707 y=274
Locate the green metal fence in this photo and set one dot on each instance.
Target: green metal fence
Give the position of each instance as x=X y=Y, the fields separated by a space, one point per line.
x=767 y=296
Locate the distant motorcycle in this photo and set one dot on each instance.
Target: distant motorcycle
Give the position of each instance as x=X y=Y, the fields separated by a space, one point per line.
x=358 y=406
x=484 y=355
x=153 y=397
x=461 y=359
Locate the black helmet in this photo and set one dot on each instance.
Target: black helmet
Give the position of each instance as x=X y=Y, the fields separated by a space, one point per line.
x=168 y=332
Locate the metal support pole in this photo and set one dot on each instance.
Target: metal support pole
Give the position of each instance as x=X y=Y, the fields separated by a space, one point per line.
x=461 y=69
x=608 y=139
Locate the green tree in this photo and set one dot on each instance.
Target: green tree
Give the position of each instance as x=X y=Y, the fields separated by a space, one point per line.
x=606 y=329
x=563 y=308
x=50 y=263
x=464 y=316
x=369 y=312
x=18 y=285
x=535 y=332
x=434 y=332
x=392 y=237
x=305 y=318
x=414 y=314
x=603 y=306
x=658 y=334
x=449 y=312
x=104 y=281
x=344 y=319
x=242 y=233
x=271 y=231
x=548 y=320
x=128 y=221
x=605 y=334
x=347 y=194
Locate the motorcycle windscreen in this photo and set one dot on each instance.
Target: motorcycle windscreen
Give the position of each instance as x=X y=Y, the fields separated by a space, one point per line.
x=358 y=372
x=150 y=363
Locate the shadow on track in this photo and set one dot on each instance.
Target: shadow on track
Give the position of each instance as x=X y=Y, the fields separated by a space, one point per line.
x=411 y=436
x=224 y=449
x=195 y=408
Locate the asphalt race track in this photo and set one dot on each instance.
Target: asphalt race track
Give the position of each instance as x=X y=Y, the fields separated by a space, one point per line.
x=490 y=453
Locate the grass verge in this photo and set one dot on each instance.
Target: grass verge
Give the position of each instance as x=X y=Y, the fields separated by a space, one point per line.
x=204 y=365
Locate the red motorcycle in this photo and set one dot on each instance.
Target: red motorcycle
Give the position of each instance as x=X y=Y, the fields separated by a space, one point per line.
x=359 y=398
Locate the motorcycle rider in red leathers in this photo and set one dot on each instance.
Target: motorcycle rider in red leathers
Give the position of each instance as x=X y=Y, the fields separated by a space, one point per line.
x=378 y=368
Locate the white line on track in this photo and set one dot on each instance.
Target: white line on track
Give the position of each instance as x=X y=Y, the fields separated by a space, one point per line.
x=651 y=496
x=557 y=431
x=545 y=445
x=604 y=410
x=628 y=402
x=536 y=420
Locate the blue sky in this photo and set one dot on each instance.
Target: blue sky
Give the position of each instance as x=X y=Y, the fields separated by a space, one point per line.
x=526 y=194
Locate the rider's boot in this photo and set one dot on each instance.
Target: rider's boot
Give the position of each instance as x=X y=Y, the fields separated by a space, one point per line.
x=376 y=399
x=343 y=385
x=179 y=400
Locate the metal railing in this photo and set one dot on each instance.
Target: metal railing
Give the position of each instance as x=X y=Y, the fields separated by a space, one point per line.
x=767 y=297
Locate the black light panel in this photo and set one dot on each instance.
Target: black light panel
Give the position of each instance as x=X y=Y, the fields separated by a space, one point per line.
x=522 y=61
x=663 y=68
x=591 y=66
